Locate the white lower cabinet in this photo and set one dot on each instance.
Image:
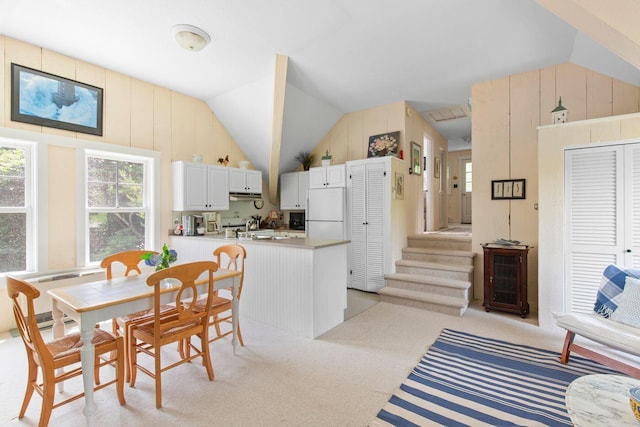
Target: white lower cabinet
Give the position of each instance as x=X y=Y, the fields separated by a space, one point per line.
x=369 y=214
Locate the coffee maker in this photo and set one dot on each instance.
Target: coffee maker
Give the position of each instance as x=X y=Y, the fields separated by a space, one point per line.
x=212 y=222
x=192 y=225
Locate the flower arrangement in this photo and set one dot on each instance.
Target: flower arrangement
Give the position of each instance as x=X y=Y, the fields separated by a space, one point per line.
x=162 y=260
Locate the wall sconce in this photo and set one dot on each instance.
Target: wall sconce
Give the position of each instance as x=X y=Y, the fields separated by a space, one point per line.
x=190 y=37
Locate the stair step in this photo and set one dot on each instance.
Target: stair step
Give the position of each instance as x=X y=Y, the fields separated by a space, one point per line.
x=429 y=284
x=433 y=269
x=440 y=241
x=438 y=255
x=432 y=302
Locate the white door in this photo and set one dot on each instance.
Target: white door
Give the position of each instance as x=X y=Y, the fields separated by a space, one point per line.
x=357 y=227
x=289 y=191
x=465 y=193
x=254 y=181
x=375 y=221
x=602 y=185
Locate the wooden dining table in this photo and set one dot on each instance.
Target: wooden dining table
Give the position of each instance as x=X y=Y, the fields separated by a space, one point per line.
x=94 y=302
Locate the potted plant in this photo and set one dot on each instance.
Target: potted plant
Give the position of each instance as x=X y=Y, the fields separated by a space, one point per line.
x=305 y=160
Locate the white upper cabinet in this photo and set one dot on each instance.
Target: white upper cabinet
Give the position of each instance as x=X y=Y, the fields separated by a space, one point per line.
x=245 y=181
x=293 y=190
x=200 y=187
x=327 y=176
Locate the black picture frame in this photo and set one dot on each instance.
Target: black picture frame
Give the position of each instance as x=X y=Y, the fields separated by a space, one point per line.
x=508 y=189
x=45 y=99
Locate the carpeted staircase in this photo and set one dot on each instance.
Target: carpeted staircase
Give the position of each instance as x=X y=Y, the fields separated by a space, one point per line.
x=435 y=273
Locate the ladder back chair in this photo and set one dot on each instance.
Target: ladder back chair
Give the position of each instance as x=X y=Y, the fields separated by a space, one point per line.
x=149 y=337
x=231 y=257
x=131 y=261
x=58 y=354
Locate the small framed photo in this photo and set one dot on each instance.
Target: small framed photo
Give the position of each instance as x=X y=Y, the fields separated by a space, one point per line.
x=416 y=159
x=508 y=189
x=399 y=184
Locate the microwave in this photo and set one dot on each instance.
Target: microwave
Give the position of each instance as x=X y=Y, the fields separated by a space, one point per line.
x=296 y=220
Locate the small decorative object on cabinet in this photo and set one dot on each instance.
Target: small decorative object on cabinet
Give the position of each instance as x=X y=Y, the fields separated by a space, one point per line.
x=559 y=114
x=305 y=160
x=326 y=159
x=505 y=278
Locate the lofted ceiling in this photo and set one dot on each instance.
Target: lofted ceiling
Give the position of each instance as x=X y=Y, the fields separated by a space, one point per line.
x=344 y=55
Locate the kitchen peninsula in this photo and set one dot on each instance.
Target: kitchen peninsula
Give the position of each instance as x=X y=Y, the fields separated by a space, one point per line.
x=298 y=285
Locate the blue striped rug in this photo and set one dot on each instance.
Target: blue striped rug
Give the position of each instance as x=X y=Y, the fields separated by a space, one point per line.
x=467 y=380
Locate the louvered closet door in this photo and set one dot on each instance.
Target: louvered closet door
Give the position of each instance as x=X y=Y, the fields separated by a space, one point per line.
x=602 y=187
x=376 y=180
x=357 y=218
x=632 y=205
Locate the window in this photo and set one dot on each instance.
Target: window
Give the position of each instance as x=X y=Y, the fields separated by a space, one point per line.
x=117 y=204
x=16 y=208
x=468 y=177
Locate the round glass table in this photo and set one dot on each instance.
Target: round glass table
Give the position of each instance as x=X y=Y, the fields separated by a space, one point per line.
x=600 y=400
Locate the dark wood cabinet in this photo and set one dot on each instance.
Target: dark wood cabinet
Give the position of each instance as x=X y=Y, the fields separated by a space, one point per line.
x=505 y=278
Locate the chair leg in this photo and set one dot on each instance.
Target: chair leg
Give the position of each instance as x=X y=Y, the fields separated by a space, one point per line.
x=216 y=324
x=205 y=354
x=48 y=392
x=133 y=356
x=120 y=369
x=158 y=378
x=31 y=381
x=96 y=369
x=240 y=335
x=568 y=340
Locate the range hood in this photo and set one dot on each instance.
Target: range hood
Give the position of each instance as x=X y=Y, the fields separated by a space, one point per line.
x=244 y=197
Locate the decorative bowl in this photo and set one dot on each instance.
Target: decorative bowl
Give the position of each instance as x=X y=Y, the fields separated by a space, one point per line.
x=634 y=401
x=244 y=164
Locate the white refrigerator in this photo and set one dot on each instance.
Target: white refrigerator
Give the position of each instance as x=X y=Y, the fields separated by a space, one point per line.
x=325 y=215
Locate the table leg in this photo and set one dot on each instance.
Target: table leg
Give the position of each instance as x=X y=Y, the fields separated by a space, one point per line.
x=88 y=363
x=234 y=314
x=58 y=332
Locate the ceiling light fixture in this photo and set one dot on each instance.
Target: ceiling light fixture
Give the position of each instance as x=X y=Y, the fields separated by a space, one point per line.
x=190 y=37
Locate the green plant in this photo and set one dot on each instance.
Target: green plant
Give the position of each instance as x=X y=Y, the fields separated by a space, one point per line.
x=162 y=260
x=305 y=160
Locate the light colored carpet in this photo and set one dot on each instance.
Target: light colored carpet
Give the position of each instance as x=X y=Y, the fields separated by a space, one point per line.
x=340 y=379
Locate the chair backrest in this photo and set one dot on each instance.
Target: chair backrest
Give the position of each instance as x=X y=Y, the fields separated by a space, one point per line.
x=232 y=257
x=130 y=259
x=187 y=295
x=27 y=324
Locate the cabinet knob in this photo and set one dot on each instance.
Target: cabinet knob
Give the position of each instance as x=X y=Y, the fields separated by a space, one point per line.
x=629 y=250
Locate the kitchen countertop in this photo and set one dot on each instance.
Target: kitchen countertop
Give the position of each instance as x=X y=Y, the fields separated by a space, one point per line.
x=295 y=242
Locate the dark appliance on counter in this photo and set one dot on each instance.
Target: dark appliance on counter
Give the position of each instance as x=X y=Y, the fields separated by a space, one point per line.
x=296 y=220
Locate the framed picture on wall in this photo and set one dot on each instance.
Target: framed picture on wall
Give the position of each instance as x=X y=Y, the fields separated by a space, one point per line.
x=416 y=159
x=44 y=99
x=385 y=144
x=508 y=189
x=399 y=184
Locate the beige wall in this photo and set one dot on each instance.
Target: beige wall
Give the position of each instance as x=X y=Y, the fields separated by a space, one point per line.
x=349 y=139
x=506 y=114
x=137 y=114
x=457 y=178
x=552 y=142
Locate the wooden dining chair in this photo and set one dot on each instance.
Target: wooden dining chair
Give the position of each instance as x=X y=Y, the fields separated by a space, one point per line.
x=165 y=328
x=121 y=325
x=59 y=353
x=232 y=258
